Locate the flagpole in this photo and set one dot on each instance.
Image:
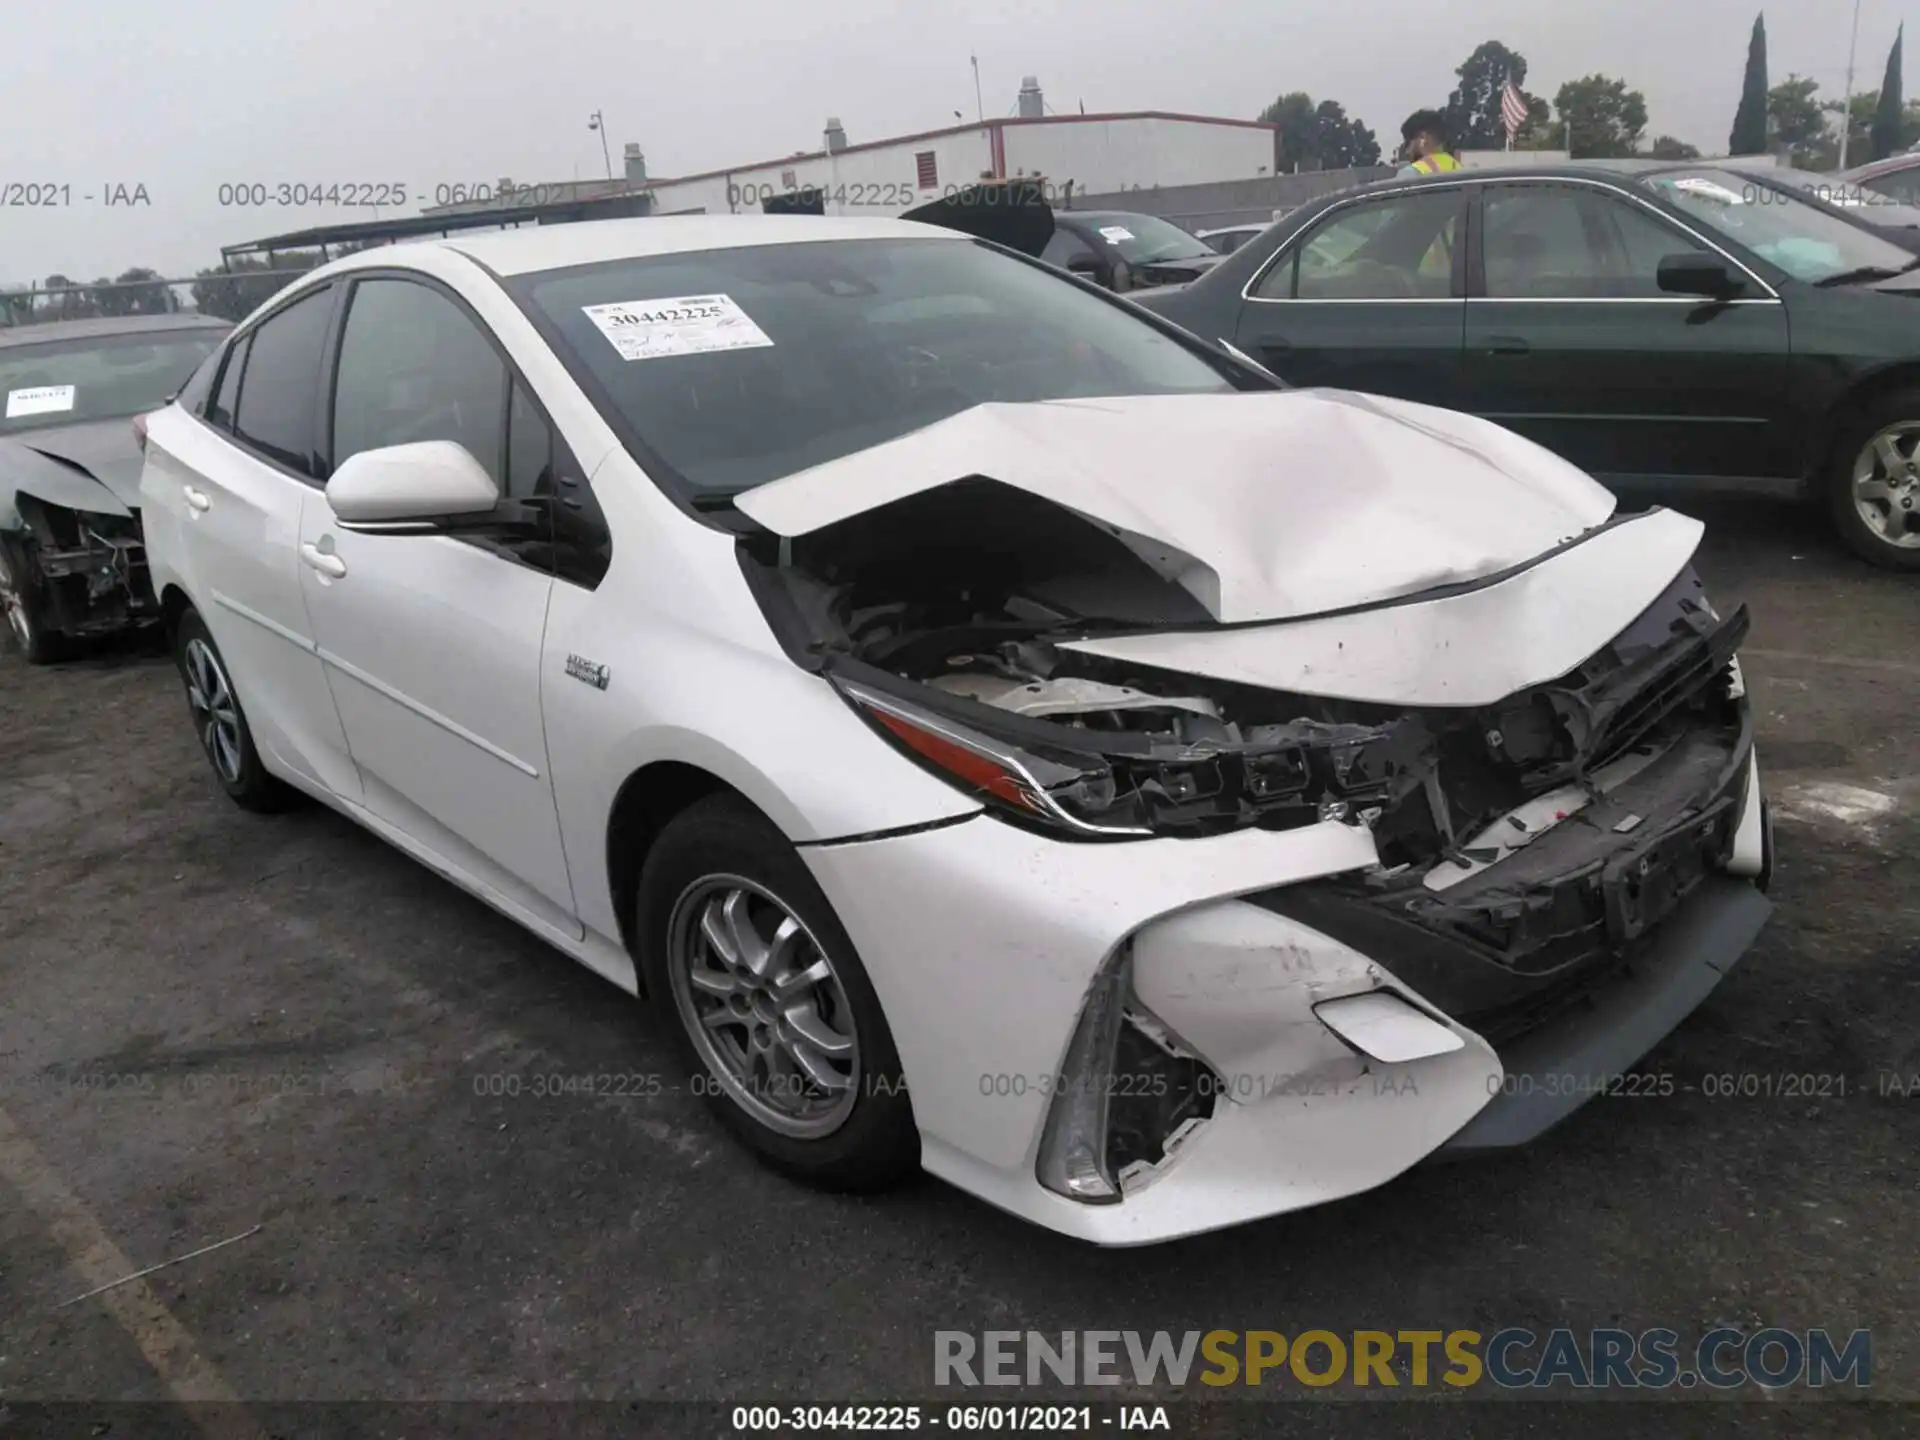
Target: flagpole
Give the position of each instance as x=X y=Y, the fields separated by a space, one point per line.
x=1846 y=105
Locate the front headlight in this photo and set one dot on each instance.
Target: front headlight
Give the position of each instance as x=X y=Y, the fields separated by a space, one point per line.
x=1088 y=784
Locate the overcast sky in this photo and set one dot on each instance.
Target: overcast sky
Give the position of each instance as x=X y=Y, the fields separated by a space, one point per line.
x=182 y=96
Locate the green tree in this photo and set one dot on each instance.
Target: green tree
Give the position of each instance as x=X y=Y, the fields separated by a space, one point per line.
x=1341 y=142
x=1888 y=114
x=1665 y=147
x=1319 y=137
x=136 y=292
x=1293 y=113
x=236 y=293
x=1539 y=132
x=1750 y=120
x=70 y=301
x=1474 y=119
x=1604 y=119
x=1795 y=118
x=1866 y=106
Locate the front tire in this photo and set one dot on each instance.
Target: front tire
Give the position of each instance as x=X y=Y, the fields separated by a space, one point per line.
x=1873 y=483
x=769 y=1007
x=23 y=599
x=221 y=724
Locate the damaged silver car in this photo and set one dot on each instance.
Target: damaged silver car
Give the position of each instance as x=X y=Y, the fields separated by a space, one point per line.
x=71 y=559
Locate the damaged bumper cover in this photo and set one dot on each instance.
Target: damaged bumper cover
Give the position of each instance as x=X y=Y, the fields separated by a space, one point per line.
x=1178 y=1034
x=93 y=564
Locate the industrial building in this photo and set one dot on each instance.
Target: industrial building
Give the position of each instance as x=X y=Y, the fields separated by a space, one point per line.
x=1076 y=154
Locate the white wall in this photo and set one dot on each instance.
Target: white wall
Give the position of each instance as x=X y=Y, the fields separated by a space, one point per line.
x=1105 y=155
x=879 y=181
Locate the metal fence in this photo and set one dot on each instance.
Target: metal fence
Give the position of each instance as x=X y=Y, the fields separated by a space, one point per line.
x=230 y=295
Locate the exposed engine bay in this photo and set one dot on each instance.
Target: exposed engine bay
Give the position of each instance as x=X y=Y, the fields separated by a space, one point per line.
x=92 y=565
x=952 y=606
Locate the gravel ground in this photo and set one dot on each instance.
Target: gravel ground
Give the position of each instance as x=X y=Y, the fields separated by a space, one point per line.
x=301 y=1029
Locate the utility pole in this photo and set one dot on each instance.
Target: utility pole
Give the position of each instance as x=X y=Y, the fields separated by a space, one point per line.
x=1846 y=105
x=979 y=105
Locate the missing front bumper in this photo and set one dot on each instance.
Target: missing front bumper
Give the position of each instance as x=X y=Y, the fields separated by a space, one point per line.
x=1557 y=1068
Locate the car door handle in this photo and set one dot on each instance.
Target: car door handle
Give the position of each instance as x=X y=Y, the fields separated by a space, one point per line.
x=198 y=499
x=324 y=561
x=1507 y=345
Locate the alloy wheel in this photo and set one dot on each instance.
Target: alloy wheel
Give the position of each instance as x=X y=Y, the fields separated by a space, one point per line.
x=763 y=1006
x=215 y=713
x=15 y=604
x=1886 y=484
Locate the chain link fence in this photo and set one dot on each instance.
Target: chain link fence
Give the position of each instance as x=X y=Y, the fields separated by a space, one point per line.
x=232 y=295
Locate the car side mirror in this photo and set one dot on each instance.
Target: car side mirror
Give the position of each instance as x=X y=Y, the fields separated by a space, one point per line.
x=1697 y=273
x=426 y=481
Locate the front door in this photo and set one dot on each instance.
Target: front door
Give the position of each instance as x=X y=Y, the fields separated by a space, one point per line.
x=1368 y=299
x=1571 y=342
x=432 y=643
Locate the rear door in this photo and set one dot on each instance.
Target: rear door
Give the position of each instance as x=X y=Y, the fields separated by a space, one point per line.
x=1370 y=298
x=231 y=490
x=1571 y=341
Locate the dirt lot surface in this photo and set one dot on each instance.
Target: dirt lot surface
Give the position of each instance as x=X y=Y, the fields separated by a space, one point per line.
x=215 y=1024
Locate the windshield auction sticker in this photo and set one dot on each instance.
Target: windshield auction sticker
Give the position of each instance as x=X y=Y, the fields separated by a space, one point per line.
x=1114 y=234
x=41 y=400
x=678 y=325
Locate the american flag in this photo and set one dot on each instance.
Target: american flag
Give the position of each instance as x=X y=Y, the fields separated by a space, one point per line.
x=1513 y=109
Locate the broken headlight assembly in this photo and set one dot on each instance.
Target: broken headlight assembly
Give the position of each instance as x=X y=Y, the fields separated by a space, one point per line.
x=1128 y=1095
x=1075 y=781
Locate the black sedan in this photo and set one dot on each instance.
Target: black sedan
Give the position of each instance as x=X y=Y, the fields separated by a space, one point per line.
x=1666 y=325
x=72 y=560
x=1125 y=251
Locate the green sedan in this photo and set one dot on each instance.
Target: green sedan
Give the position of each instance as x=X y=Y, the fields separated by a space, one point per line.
x=1661 y=326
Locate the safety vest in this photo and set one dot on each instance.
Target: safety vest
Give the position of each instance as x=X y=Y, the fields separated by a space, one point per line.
x=1436 y=164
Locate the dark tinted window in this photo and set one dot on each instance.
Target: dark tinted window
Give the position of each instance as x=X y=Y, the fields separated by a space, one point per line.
x=1064 y=247
x=1393 y=249
x=413 y=367
x=220 y=411
x=739 y=366
x=529 y=449
x=277 y=391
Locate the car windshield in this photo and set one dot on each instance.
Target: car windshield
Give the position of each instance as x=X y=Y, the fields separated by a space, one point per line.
x=1144 y=239
x=103 y=377
x=1774 y=222
x=1871 y=206
x=735 y=367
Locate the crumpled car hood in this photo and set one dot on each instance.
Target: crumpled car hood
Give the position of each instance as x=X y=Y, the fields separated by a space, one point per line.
x=105 y=449
x=29 y=471
x=1263 y=505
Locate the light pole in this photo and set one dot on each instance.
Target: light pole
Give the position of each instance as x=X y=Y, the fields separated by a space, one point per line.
x=1846 y=105
x=595 y=122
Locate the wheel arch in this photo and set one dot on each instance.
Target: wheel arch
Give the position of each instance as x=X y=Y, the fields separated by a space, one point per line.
x=646 y=801
x=1865 y=392
x=174 y=603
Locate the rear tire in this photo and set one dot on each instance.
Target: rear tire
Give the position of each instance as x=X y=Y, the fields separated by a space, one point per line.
x=221 y=724
x=23 y=599
x=1873 y=482
x=769 y=1007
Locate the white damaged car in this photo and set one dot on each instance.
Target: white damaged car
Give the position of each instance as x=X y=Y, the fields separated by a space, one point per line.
x=999 y=733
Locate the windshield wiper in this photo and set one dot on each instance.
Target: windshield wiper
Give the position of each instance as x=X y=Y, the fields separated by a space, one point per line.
x=1863 y=273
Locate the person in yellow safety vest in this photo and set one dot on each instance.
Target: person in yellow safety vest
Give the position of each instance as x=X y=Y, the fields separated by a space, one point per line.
x=1425 y=134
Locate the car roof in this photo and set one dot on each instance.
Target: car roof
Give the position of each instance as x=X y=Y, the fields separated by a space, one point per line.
x=1229 y=229
x=1102 y=217
x=591 y=242
x=47 y=332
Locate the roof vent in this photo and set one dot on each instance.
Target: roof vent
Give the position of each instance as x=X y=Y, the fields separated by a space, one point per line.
x=836 y=135
x=1032 y=103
